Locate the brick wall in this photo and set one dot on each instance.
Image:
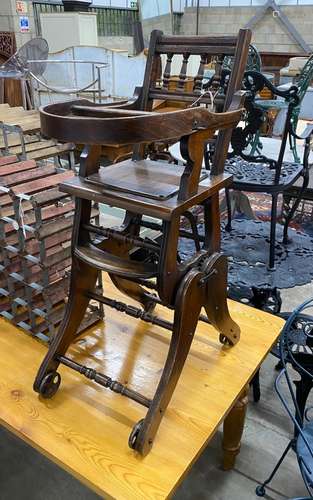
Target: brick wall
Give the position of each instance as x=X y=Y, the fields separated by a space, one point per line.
x=162 y=23
x=117 y=43
x=269 y=34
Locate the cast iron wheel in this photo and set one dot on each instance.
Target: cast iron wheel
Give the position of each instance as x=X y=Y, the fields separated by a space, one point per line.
x=260 y=490
x=224 y=340
x=49 y=385
x=134 y=434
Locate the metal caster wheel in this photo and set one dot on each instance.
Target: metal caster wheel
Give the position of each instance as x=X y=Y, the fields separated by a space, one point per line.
x=224 y=340
x=50 y=385
x=134 y=434
x=260 y=490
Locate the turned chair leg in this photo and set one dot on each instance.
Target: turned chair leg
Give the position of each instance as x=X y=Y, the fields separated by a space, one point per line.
x=83 y=278
x=185 y=322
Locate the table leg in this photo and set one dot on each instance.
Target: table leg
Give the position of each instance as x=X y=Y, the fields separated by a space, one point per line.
x=233 y=429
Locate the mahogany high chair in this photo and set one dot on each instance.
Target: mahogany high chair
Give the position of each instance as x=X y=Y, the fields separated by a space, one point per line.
x=149 y=271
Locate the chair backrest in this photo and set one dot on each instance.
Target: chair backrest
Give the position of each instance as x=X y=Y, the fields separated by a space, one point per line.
x=156 y=85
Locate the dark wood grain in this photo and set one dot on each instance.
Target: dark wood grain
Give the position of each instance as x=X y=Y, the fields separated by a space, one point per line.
x=145 y=187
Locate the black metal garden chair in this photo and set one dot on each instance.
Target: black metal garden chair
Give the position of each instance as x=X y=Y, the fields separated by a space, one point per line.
x=262 y=174
x=302 y=441
x=268 y=105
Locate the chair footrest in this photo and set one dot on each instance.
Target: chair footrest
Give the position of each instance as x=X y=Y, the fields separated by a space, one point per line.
x=105 y=261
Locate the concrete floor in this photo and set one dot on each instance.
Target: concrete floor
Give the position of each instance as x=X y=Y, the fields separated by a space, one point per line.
x=25 y=474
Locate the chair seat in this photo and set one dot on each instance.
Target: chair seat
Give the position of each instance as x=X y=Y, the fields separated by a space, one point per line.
x=303 y=452
x=152 y=179
x=146 y=187
x=259 y=176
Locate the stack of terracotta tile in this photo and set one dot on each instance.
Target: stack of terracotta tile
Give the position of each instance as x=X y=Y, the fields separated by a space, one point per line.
x=35 y=241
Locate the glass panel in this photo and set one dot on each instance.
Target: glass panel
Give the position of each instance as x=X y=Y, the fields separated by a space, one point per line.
x=163 y=7
x=150 y=8
x=104 y=3
x=178 y=5
x=233 y=3
x=219 y=3
x=119 y=3
x=287 y=2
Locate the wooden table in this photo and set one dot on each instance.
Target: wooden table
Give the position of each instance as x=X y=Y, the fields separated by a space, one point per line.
x=85 y=428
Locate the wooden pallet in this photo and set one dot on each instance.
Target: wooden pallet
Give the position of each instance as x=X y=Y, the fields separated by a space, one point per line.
x=20 y=136
x=28 y=121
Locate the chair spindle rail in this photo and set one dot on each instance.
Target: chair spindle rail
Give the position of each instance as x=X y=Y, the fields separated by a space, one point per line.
x=104 y=381
x=133 y=311
x=183 y=71
x=134 y=241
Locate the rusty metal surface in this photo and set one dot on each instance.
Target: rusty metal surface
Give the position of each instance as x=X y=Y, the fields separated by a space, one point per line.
x=35 y=247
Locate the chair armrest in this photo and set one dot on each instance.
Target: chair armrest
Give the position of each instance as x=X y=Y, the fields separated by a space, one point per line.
x=85 y=123
x=254 y=82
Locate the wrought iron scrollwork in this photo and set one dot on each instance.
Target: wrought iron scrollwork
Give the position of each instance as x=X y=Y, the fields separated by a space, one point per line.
x=253 y=83
x=253 y=61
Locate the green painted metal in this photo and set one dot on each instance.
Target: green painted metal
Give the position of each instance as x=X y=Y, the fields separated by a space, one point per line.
x=303 y=82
